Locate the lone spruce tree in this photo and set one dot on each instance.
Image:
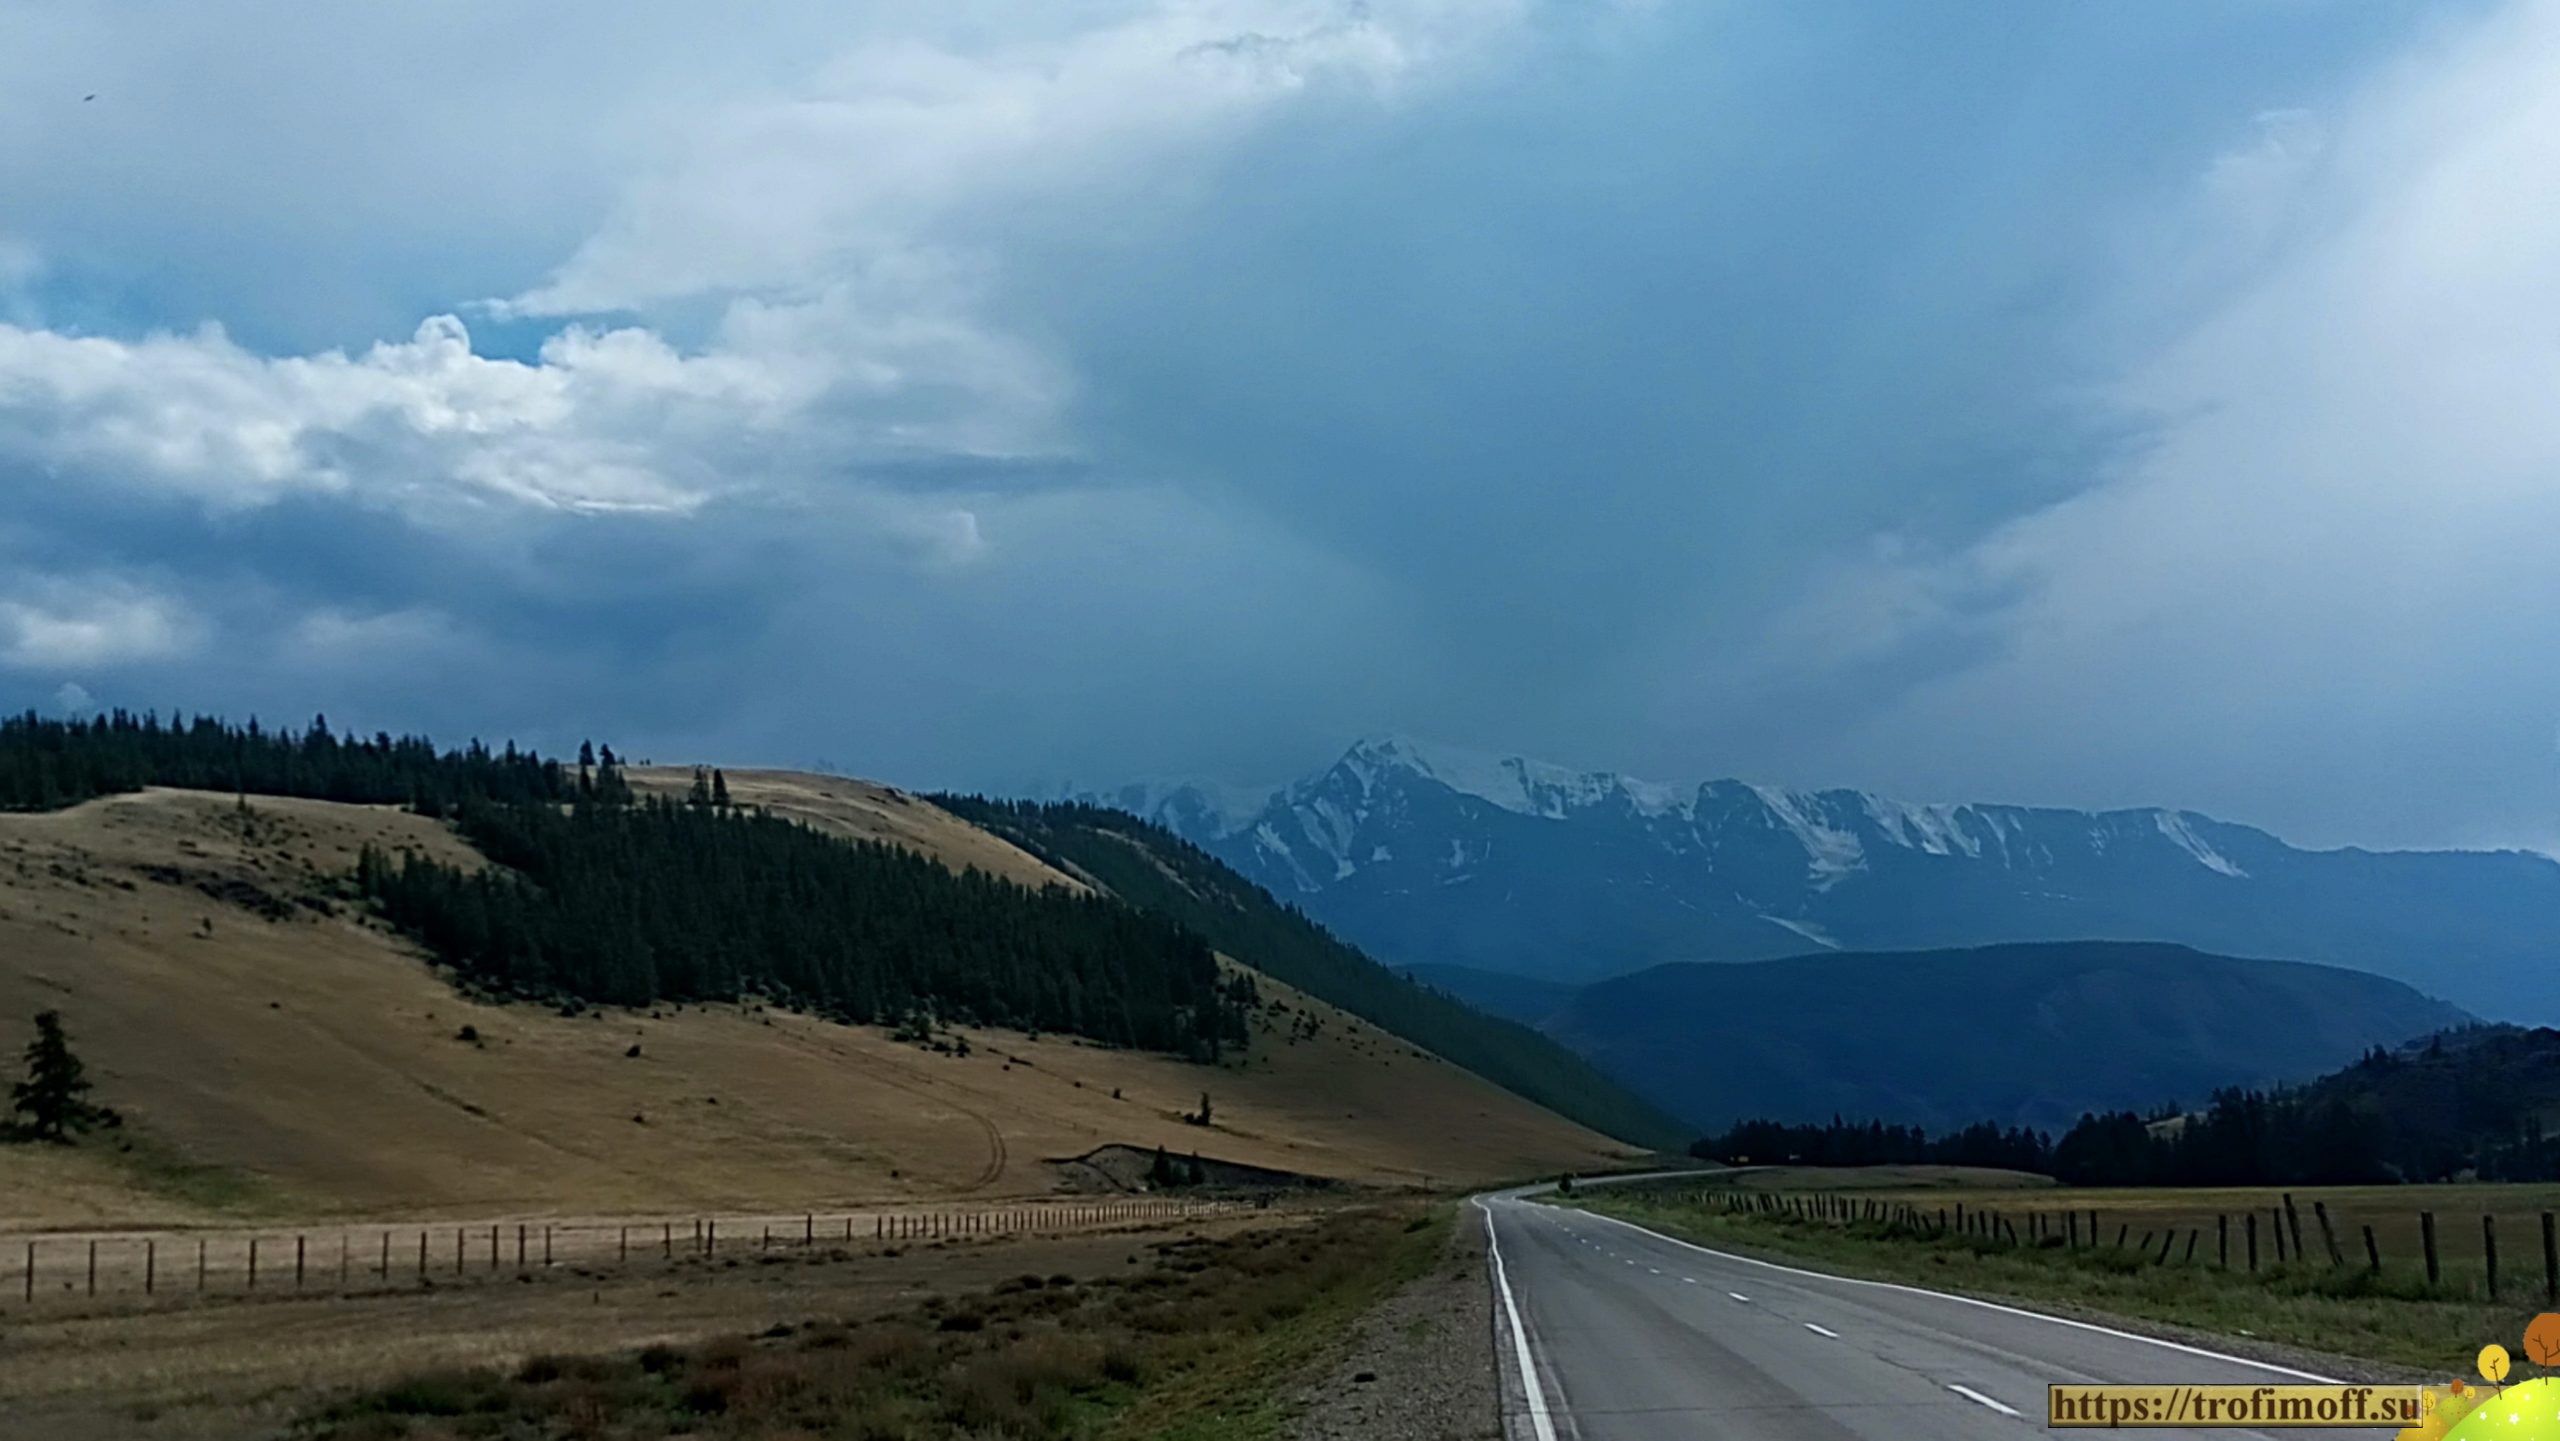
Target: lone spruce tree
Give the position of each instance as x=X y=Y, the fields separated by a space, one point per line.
x=52 y=1102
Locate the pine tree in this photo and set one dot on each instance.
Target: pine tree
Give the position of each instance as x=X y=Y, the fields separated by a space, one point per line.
x=1160 y=1175
x=52 y=1102
x=701 y=793
x=719 y=790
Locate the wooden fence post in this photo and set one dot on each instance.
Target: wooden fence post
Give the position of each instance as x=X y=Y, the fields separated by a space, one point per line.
x=2194 y=1234
x=2427 y=1236
x=2328 y=1237
x=493 y=1248
x=344 y=1245
x=2489 y=1248
x=298 y=1241
x=2249 y=1223
x=199 y=1265
x=2372 y=1252
x=2293 y=1219
x=2222 y=1240
x=519 y=1247
x=2123 y=1229
x=2550 y=1264
x=457 y=1250
x=93 y=1268
x=386 y=1256
x=253 y=1263
x=2275 y=1219
x=151 y=1265
x=422 y=1253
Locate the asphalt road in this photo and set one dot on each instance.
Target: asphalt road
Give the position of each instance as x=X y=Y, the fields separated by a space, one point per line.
x=1631 y=1336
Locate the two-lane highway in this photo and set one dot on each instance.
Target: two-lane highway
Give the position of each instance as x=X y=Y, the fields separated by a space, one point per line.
x=1631 y=1336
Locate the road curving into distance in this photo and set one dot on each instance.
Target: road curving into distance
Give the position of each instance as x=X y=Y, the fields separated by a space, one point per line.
x=1607 y=1331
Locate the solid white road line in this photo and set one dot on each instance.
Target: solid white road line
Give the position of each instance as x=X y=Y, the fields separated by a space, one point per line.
x=1539 y=1421
x=1737 y=1295
x=1985 y=1305
x=1970 y=1394
x=1819 y=1331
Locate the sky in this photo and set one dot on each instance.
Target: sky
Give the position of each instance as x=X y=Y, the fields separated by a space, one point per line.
x=2086 y=405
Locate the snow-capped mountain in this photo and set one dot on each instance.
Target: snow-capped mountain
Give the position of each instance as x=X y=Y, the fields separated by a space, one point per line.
x=1426 y=855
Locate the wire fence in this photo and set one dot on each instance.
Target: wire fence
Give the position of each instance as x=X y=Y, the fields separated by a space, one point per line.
x=109 y=1267
x=2458 y=1256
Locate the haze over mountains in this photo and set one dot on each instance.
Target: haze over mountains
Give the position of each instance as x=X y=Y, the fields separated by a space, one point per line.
x=1430 y=856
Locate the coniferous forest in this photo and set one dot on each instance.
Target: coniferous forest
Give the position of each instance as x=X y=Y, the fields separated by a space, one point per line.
x=47 y=764
x=601 y=897
x=629 y=903
x=2464 y=1103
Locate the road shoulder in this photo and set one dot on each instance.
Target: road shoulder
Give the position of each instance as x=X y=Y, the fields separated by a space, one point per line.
x=1419 y=1365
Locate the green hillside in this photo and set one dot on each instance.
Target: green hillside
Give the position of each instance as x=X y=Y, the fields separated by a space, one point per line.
x=1150 y=867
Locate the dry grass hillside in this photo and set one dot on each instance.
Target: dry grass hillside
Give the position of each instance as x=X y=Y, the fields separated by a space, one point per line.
x=279 y=1055
x=868 y=812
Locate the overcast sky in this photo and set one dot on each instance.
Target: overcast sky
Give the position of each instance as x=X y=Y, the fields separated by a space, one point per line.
x=2065 y=403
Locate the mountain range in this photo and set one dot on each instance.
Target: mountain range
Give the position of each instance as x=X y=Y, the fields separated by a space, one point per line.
x=1429 y=856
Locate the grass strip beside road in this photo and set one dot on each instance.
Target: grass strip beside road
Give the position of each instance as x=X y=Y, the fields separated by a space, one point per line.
x=2342 y=1312
x=1200 y=1343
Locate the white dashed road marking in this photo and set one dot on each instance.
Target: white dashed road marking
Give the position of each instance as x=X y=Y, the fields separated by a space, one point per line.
x=1737 y=1295
x=1970 y=1394
x=1818 y=1331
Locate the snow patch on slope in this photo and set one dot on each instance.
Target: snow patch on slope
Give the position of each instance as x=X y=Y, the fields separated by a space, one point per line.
x=1514 y=783
x=1937 y=829
x=1806 y=929
x=1830 y=854
x=2173 y=824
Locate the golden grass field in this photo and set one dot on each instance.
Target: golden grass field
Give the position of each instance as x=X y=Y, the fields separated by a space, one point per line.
x=309 y=1066
x=238 y=1369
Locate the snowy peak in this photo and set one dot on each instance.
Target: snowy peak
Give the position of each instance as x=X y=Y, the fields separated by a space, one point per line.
x=1515 y=783
x=1433 y=854
x=1362 y=812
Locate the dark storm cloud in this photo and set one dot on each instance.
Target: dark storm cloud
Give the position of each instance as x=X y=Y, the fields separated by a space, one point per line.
x=1116 y=389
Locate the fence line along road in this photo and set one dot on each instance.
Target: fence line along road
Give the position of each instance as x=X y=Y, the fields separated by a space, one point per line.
x=78 y=1267
x=2262 y=1238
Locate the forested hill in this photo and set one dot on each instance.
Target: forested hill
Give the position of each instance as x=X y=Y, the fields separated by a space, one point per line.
x=602 y=897
x=47 y=764
x=2476 y=1101
x=1148 y=866
x=632 y=903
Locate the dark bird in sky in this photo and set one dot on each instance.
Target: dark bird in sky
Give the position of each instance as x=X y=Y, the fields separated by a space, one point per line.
x=85 y=99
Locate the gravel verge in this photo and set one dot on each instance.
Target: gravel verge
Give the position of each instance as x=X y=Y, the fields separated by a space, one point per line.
x=1419 y=1366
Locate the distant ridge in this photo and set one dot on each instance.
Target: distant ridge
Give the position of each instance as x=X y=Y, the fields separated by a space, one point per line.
x=2029 y=1035
x=1429 y=855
